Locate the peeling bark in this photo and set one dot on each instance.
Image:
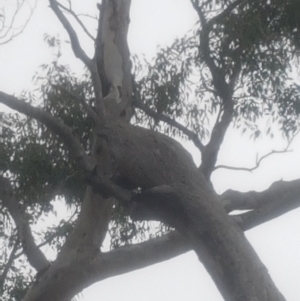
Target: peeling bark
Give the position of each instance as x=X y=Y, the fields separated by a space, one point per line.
x=173 y=189
x=113 y=57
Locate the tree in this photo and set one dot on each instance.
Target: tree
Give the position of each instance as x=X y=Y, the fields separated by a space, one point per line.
x=78 y=143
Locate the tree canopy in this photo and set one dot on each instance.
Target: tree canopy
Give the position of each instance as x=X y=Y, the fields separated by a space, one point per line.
x=72 y=141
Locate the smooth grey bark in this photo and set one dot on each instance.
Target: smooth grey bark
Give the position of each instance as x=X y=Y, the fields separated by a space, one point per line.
x=173 y=189
x=149 y=159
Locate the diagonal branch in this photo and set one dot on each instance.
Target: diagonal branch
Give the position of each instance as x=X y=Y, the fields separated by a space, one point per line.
x=70 y=11
x=53 y=124
x=90 y=267
x=190 y=134
x=138 y=256
x=79 y=53
x=35 y=256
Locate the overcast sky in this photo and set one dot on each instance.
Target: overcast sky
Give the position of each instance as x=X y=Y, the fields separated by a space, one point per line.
x=153 y=23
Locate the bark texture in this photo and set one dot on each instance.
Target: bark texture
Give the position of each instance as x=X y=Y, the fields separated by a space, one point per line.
x=173 y=189
x=150 y=159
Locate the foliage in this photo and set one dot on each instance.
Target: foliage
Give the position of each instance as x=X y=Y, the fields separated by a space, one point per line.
x=259 y=39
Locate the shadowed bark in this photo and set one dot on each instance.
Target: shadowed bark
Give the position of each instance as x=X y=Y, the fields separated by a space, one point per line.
x=172 y=189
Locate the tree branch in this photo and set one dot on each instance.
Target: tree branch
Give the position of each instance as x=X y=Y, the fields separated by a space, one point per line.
x=279 y=199
x=96 y=267
x=223 y=89
x=6 y=29
x=190 y=134
x=35 y=256
x=70 y=11
x=211 y=150
x=90 y=268
x=256 y=165
x=258 y=161
x=53 y=124
x=79 y=53
x=138 y=256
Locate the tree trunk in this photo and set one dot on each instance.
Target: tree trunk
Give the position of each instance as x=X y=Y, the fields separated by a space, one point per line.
x=173 y=189
x=182 y=198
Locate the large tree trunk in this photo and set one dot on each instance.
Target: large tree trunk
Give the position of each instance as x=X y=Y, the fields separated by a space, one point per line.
x=173 y=189
x=176 y=192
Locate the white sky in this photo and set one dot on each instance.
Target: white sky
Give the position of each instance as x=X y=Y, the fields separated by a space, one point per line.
x=158 y=22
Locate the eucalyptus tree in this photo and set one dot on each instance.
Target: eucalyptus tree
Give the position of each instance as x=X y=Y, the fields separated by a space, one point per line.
x=104 y=144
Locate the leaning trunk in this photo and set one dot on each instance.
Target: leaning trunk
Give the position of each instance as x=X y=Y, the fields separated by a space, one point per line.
x=175 y=192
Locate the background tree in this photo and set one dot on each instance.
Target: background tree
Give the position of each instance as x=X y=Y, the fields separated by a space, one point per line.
x=240 y=59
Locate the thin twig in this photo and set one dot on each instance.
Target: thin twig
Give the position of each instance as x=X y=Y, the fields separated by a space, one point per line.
x=258 y=161
x=252 y=168
x=88 y=16
x=10 y=28
x=70 y=11
x=91 y=64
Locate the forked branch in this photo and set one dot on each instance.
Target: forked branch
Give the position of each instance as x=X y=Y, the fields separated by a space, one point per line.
x=71 y=12
x=7 y=30
x=79 y=53
x=259 y=160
